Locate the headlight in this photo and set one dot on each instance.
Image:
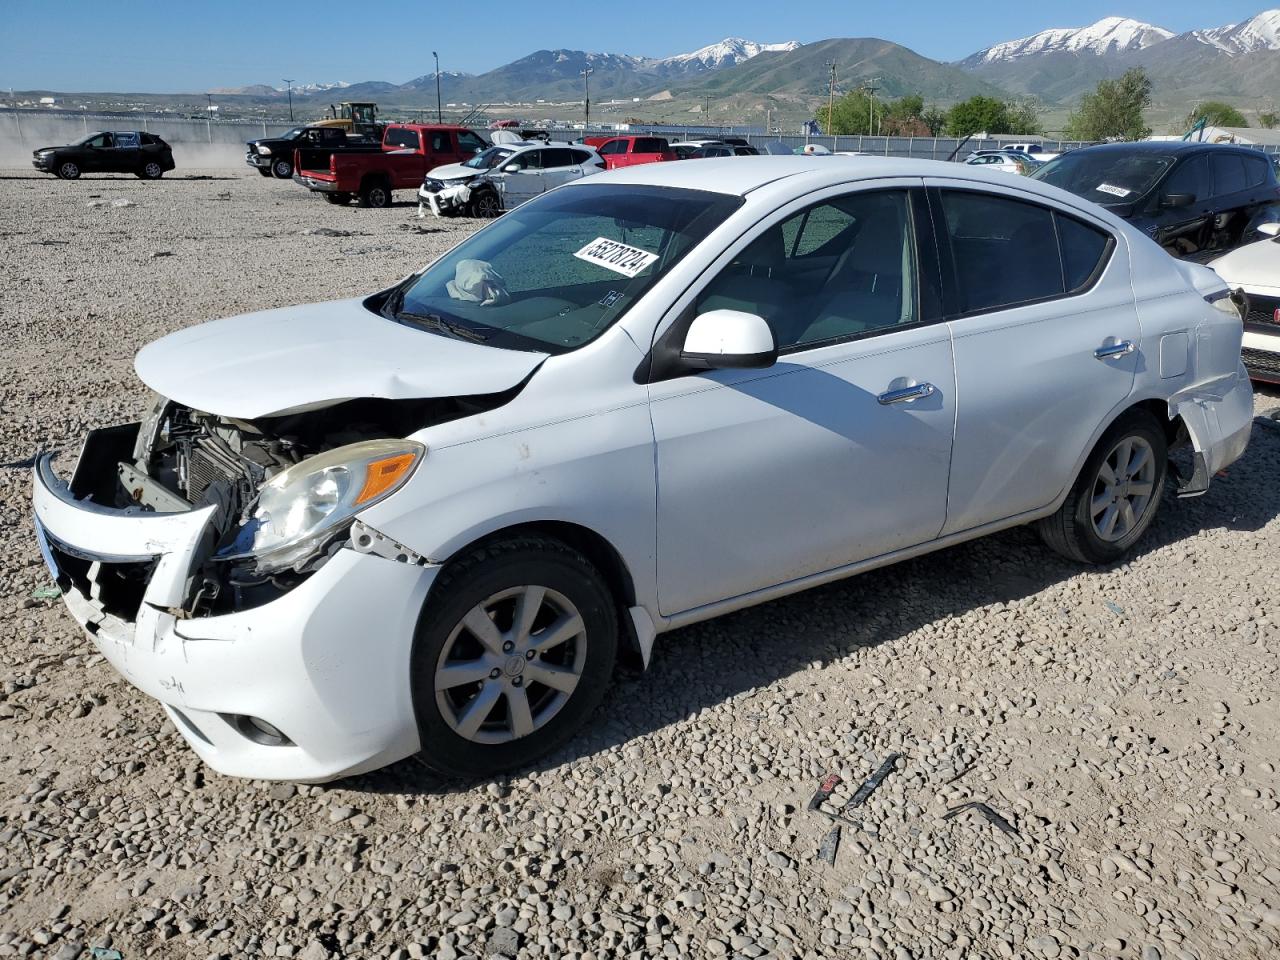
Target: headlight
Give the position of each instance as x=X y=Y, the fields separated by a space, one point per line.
x=302 y=508
x=265 y=151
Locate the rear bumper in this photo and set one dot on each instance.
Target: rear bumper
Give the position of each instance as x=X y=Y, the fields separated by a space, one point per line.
x=326 y=664
x=322 y=184
x=1219 y=419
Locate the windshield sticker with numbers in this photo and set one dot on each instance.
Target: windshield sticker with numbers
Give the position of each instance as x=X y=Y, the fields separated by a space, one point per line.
x=615 y=256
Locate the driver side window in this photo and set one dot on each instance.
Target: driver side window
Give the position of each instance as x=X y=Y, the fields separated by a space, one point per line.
x=843 y=268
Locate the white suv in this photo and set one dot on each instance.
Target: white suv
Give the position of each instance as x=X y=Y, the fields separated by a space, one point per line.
x=427 y=519
x=503 y=177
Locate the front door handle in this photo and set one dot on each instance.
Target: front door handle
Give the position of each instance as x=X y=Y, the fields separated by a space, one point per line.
x=907 y=394
x=1121 y=349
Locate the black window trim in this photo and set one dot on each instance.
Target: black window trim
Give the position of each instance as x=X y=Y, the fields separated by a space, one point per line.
x=950 y=286
x=662 y=362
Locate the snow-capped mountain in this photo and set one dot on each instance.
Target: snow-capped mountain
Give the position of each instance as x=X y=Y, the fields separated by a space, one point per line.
x=1109 y=35
x=1259 y=33
x=727 y=53
x=317 y=87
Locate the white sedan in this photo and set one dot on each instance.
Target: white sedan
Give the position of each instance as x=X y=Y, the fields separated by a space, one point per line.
x=427 y=520
x=1255 y=268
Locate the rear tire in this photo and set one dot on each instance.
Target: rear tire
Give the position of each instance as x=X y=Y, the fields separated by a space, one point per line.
x=68 y=171
x=151 y=171
x=338 y=199
x=281 y=169
x=1115 y=498
x=375 y=194
x=493 y=711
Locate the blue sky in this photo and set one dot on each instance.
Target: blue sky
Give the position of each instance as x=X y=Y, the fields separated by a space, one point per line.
x=183 y=46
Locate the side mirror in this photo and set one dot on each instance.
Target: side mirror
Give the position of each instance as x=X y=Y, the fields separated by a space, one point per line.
x=1174 y=201
x=729 y=340
x=1269 y=229
x=511 y=168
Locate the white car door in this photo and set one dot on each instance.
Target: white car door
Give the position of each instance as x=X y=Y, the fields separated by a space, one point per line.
x=522 y=178
x=1046 y=344
x=558 y=167
x=839 y=451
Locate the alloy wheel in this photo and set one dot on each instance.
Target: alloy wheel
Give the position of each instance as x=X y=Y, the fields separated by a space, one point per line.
x=1123 y=489
x=152 y=170
x=68 y=171
x=511 y=664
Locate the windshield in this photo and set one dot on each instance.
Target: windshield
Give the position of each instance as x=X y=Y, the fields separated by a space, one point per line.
x=292 y=134
x=489 y=158
x=557 y=271
x=1107 y=176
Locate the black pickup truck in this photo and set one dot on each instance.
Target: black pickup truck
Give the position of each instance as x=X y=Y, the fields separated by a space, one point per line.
x=273 y=156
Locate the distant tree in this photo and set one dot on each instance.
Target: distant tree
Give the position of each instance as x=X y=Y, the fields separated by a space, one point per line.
x=1024 y=116
x=978 y=115
x=1268 y=119
x=855 y=113
x=1113 y=110
x=1216 y=114
x=935 y=119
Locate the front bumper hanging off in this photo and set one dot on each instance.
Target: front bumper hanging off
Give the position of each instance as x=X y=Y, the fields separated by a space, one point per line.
x=325 y=664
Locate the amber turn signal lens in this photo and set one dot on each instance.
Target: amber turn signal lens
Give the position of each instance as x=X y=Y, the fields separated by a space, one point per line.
x=382 y=475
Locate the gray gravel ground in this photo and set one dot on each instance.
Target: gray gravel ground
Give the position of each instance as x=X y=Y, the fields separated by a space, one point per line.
x=1123 y=720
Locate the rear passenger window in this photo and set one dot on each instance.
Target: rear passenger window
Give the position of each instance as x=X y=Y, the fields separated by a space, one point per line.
x=402 y=139
x=1228 y=174
x=650 y=145
x=1005 y=251
x=1084 y=249
x=1258 y=170
x=557 y=157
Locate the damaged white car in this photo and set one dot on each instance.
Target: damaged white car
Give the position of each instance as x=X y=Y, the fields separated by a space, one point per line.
x=503 y=177
x=428 y=521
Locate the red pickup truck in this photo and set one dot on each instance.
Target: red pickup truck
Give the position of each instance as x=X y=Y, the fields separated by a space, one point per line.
x=628 y=151
x=408 y=151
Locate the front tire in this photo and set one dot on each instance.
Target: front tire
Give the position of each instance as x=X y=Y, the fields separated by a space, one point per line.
x=513 y=652
x=68 y=170
x=281 y=169
x=1116 y=496
x=486 y=205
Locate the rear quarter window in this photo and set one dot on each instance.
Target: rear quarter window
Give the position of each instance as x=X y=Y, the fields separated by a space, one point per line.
x=1229 y=174
x=1258 y=169
x=402 y=139
x=1085 y=251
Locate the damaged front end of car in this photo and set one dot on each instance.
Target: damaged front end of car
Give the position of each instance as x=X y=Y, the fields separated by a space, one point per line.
x=276 y=498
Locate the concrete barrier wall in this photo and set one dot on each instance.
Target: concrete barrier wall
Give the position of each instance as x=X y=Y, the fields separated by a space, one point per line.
x=196 y=143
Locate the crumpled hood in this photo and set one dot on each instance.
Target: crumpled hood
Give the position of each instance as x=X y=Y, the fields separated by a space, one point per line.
x=313 y=356
x=453 y=171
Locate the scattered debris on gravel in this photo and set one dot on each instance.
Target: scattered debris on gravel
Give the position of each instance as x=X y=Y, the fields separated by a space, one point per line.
x=1121 y=722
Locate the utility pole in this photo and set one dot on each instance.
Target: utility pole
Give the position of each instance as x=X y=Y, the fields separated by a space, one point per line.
x=290 y=87
x=586 y=100
x=439 y=115
x=831 y=96
x=871 y=89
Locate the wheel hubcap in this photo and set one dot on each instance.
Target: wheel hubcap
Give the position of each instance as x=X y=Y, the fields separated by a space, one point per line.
x=1123 y=490
x=153 y=169
x=511 y=664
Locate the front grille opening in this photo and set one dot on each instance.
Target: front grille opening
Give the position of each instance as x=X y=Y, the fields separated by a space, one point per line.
x=119 y=586
x=1262 y=363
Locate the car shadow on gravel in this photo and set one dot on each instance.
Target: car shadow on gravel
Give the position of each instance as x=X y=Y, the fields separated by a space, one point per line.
x=703 y=665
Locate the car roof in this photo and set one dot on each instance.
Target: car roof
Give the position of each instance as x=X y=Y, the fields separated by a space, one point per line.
x=739 y=176
x=1163 y=147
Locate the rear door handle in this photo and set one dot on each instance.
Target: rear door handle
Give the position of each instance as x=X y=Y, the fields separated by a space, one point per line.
x=907 y=394
x=1121 y=349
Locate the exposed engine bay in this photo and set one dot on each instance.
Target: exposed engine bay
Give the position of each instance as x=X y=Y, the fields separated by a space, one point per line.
x=178 y=459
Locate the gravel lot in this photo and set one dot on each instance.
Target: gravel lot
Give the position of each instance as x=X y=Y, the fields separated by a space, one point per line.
x=1124 y=721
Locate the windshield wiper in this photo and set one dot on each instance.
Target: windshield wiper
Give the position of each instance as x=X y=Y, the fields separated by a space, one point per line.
x=437 y=322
